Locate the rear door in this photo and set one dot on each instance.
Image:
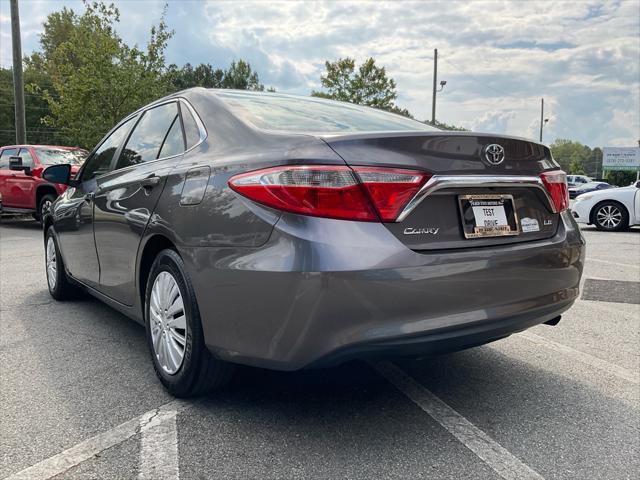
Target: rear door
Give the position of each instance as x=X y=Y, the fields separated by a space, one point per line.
x=73 y=213
x=127 y=197
x=468 y=185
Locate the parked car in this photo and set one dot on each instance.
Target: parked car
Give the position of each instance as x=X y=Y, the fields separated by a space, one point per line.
x=288 y=232
x=609 y=210
x=22 y=187
x=578 y=180
x=588 y=187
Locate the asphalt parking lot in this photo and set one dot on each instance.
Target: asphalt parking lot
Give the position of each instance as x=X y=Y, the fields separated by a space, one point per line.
x=79 y=398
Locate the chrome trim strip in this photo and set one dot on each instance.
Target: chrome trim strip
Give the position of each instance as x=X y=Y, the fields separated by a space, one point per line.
x=441 y=182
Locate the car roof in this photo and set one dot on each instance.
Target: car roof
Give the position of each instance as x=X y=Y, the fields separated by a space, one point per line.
x=61 y=147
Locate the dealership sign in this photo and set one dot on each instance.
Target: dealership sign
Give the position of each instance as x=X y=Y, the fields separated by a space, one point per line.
x=621 y=158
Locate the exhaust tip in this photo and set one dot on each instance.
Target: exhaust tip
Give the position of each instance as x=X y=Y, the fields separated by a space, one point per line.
x=554 y=321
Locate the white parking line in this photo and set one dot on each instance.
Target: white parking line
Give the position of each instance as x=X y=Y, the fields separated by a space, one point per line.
x=585 y=358
x=491 y=452
x=91 y=447
x=159 y=448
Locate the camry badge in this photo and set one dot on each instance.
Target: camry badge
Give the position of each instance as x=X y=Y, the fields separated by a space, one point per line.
x=494 y=154
x=421 y=231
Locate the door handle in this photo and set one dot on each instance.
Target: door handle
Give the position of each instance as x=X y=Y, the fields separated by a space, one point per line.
x=150 y=182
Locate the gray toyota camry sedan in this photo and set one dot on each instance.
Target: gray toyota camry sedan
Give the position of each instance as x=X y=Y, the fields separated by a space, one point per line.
x=289 y=232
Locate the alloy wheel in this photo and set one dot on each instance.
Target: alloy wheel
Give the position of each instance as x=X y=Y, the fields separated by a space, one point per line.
x=46 y=206
x=609 y=216
x=168 y=322
x=51 y=263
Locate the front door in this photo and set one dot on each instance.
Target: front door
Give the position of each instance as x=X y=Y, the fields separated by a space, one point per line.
x=127 y=197
x=74 y=210
x=20 y=186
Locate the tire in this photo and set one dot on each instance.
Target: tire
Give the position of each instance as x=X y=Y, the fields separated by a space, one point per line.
x=176 y=331
x=45 y=203
x=59 y=285
x=610 y=216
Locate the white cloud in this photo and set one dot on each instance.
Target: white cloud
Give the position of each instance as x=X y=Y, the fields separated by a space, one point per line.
x=499 y=58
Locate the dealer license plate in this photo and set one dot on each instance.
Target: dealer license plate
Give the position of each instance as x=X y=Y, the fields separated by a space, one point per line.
x=488 y=216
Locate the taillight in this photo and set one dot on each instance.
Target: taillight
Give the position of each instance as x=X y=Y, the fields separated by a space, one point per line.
x=556 y=184
x=369 y=194
x=390 y=189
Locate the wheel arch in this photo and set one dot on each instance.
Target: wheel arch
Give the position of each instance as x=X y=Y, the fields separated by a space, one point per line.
x=43 y=190
x=154 y=245
x=592 y=213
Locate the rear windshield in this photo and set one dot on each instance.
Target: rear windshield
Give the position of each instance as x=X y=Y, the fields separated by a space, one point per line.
x=53 y=156
x=289 y=113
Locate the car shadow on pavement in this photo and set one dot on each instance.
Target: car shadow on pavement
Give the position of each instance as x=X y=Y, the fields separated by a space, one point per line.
x=19 y=223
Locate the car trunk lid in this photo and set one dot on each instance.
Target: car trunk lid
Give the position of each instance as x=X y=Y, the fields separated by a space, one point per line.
x=465 y=178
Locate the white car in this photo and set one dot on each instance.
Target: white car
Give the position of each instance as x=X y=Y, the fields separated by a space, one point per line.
x=578 y=180
x=610 y=210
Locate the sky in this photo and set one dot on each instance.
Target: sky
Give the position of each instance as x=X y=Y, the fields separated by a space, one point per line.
x=498 y=58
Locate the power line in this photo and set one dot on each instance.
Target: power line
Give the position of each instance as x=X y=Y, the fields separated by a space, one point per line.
x=501 y=93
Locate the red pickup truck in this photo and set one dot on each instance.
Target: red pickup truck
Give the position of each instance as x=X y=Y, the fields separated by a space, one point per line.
x=22 y=188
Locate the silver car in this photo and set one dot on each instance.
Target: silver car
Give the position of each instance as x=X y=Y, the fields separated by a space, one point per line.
x=287 y=232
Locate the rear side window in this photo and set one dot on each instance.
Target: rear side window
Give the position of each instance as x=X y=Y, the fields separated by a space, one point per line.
x=149 y=135
x=4 y=157
x=174 y=143
x=100 y=162
x=191 y=129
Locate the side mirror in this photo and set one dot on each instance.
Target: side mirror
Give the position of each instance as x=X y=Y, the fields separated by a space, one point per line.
x=15 y=164
x=58 y=174
x=638 y=184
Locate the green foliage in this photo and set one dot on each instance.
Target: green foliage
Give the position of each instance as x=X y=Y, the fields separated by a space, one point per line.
x=576 y=158
x=368 y=85
x=36 y=107
x=621 y=178
x=94 y=78
x=238 y=76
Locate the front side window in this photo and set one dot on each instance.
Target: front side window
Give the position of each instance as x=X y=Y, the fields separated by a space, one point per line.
x=149 y=135
x=27 y=159
x=100 y=162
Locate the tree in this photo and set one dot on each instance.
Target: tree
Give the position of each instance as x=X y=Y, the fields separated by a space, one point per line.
x=368 y=85
x=95 y=78
x=36 y=107
x=572 y=156
x=239 y=76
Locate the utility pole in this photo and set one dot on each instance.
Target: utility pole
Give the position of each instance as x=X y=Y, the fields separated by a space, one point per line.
x=18 y=82
x=435 y=83
x=541 y=117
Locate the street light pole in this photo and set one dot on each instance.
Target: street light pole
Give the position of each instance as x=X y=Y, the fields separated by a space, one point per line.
x=18 y=82
x=435 y=83
x=541 y=117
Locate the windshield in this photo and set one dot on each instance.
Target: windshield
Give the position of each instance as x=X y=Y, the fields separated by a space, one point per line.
x=592 y=185
x=53 y=156
x=314 y=115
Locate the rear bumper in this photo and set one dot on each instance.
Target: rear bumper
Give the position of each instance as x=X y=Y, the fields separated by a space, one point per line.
x=321 y=291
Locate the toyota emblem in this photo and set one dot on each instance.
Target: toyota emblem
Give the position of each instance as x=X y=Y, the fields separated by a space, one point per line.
x=494 y=154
